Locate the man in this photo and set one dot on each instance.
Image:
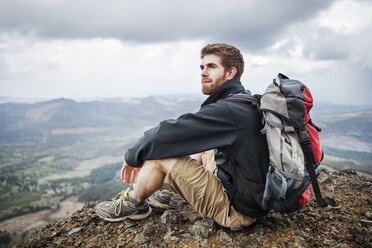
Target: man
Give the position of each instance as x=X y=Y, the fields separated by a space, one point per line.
x=228 y=129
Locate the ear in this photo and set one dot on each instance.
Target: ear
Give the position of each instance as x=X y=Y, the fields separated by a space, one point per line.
x=231 y=73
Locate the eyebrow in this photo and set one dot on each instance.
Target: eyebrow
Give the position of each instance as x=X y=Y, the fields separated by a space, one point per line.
x=208 y=65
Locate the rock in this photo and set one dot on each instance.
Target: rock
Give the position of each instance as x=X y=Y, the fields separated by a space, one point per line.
x=70 y=241
x=252 y=242
x=96 y=231
x=149 y=229
x=186 y=236
x=362 y=237
x=140 y=239
x=55 y=234
x=90 y=245
x=59 y=242
x=170 y=237
x=329 y=201
x=99 y=237
x=87 y=220
x=192 y=218
x=300 y=242
x=347 y=171
x=129 y=224
x=366 y=223
x=224 y=237
x=325 y=180
x=201 y=229
x=170 y=217
x=90 y=205
x=368 y=215
x=341 y=246
x=74 y=231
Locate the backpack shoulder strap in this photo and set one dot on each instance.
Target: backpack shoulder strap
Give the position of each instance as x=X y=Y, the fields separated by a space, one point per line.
x=245 y=96
x=309 y=163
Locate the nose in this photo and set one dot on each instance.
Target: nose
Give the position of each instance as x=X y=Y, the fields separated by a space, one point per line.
x=204 y=73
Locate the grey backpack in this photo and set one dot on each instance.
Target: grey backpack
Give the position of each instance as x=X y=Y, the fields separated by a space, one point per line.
x=293 y=142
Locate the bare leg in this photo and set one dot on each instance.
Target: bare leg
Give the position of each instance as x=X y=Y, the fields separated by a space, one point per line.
x=151 y=177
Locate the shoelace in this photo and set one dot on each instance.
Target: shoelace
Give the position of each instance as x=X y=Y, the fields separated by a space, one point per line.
x=166 y=191
x=123 y=198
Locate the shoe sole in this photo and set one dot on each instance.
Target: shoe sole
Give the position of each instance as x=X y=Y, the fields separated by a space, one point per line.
x=132 y=217
x=157 y=204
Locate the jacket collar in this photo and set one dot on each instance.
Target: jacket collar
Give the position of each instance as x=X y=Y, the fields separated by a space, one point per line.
x=232 y=86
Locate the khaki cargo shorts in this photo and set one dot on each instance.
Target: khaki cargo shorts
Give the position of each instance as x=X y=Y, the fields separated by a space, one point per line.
x=198 y=184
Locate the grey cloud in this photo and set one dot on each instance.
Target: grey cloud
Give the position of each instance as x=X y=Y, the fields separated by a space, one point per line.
x=249 y=24
x=325 y=44
x=3 y=68
x=348 y=83
x=320 y=43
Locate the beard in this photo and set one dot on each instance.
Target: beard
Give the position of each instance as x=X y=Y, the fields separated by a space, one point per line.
x=207 y=89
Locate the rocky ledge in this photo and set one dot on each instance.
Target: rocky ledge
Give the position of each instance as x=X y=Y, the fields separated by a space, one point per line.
x=345 y=222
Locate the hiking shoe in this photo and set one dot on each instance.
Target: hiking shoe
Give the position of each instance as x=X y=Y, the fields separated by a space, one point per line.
x=161 y=198
x=121 y=208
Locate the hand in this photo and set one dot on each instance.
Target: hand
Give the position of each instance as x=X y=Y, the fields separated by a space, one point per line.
x=128 y=173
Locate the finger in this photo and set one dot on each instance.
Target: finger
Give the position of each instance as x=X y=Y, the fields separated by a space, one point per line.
x=122 y=171
x=134 y=174
x=128 y=174
x=125 y=176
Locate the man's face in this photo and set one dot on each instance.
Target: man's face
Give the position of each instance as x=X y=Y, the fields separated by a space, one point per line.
x=213 y=74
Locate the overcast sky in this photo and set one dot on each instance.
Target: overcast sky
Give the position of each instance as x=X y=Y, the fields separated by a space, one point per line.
x=124 y=48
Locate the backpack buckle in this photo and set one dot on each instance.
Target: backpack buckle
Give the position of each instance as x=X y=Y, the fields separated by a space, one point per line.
x=288 y=129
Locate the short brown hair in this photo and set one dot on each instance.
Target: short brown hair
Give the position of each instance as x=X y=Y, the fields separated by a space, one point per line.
x=230 y=56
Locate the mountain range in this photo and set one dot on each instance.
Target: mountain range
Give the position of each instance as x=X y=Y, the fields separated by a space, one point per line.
x=346 y=129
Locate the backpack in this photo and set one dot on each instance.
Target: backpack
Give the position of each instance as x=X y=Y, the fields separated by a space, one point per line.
x=293 y=141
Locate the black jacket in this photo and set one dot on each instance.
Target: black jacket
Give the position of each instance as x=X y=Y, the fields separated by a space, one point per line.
x=231 y=127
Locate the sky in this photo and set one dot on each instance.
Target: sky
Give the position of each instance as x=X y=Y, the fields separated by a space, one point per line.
x=122 y=48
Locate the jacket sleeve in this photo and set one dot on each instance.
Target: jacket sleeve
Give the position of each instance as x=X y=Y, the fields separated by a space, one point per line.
x=213 y=126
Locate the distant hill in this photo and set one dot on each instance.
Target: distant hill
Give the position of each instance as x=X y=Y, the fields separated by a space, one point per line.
x=43 y=121
x=4 y=99
x=62 y=122
x=346 y=135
